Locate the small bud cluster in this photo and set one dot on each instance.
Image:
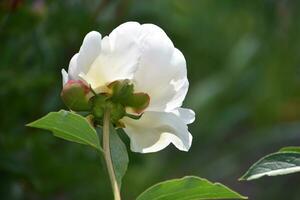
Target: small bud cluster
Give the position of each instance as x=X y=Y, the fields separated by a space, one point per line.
x=79 y=97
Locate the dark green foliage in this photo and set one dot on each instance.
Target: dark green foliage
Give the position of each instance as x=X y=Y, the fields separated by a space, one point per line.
x=243 y=61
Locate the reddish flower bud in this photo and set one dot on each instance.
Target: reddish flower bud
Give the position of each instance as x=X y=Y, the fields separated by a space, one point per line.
x=76 y=95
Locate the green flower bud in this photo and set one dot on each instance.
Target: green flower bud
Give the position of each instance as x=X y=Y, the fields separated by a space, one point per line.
x=98 y=103
x=122 y=92
x=138 y=102
x=75 y=94
x=117 y=112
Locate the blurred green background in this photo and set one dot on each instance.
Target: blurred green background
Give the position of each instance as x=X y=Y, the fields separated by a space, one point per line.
x=244 y=70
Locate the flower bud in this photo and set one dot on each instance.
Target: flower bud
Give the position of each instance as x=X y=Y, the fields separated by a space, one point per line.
x=76 y=95
x=138 y=102
x=98 y=105
x=122 y=92
x=117 y=112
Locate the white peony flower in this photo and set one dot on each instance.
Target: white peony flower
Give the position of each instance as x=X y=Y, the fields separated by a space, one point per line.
x=146 y=56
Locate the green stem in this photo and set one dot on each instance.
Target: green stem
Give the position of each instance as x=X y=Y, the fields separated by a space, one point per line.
x=107 y=156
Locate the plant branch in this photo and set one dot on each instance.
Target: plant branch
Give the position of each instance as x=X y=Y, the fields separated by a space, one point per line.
x=107 y=156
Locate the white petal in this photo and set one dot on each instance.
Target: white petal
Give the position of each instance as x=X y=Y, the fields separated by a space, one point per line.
x=65 y=77
x=162 y=70
x=73 y=70
x=187 y=115
x=156 y=130
x=89 y=51
x=119 y=56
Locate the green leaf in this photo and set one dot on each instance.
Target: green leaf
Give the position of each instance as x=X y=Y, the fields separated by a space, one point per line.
x=280 y=163
x=119 y=155
x=69 y=126
x=189 y=188
x=290 y=149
